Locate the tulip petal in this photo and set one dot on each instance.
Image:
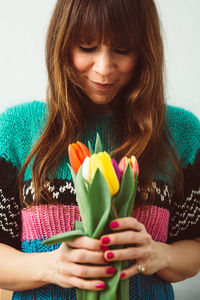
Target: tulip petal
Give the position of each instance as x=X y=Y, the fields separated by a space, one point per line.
x=77 y=153
x=122 y=165
x=73 y=158
x=102 y=161
x=84 y=149
x=117 y=170
x=85 y=169
x=134 y=165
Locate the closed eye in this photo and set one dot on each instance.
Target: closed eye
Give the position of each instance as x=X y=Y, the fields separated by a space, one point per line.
x=87 y=49
x=122 y=51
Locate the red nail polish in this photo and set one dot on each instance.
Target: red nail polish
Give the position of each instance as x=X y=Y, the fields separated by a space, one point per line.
x=100 y=285
x=114 y=224
x=122 y=275
x=110 y=255
x=105 y=240
x=104 y=248
x=111 y=270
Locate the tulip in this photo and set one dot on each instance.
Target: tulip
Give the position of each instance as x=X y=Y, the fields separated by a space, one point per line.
x=102 y=161
x=85 y=169
x=117 y=170
x=133 y=163
x=77 y=154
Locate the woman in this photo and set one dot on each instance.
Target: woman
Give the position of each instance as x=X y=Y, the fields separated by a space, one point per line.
x=105 y=67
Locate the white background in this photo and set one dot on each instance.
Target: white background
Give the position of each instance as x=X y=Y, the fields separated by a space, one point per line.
x=23 y=25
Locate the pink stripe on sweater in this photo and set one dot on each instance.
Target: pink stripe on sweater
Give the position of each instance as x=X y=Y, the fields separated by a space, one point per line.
x=155 y=220
x=47 y=220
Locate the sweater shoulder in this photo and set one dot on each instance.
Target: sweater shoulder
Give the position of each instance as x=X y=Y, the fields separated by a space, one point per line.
x=19 y=127
x=184 y=127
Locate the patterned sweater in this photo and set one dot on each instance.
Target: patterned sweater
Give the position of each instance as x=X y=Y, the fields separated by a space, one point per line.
x=167 y=220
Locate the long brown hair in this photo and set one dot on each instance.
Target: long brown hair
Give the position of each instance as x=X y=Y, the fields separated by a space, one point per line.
x=133 y=24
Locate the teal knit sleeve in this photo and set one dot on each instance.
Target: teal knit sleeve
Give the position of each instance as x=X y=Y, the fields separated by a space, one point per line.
x=19 y=128
x=185 y=213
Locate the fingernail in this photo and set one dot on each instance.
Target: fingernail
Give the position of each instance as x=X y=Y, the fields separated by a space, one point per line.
x=111 y=270
x=114 y=224
x=122 y=275
x=110 y=255
x=100 y=285
x=104 y=248
x=105 y=240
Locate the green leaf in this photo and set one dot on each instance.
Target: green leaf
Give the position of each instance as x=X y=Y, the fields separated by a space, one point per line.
x=99 y=205
x=131 y=203
x=87 y=295
x=90 y=148
x=72 y=173
x=62 y=237
x=124 y=284
x=78 y=225
x=98 y=144
x=112 y=283
x=124 y=200
x=82 y=198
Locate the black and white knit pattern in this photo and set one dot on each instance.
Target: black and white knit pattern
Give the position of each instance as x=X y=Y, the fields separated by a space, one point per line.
x=10 y=216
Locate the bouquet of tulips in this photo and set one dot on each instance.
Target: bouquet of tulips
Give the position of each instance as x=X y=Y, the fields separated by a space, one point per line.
x=104 y=191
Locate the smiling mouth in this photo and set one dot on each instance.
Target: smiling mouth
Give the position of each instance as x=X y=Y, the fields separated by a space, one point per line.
x=102 y=86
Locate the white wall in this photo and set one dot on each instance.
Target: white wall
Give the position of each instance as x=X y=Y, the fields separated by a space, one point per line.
x=23 y=25
x=181 y=26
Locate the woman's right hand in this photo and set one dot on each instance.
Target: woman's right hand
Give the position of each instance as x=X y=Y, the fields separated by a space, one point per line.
x=79 y=263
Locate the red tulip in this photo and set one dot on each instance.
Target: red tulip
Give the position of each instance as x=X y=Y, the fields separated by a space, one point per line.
x=77 y=154
x=133 y=163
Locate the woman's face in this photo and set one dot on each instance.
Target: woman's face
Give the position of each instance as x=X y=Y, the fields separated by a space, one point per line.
x=102 y=71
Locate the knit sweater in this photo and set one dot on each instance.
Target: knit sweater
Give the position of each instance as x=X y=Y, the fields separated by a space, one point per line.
x=167 y=220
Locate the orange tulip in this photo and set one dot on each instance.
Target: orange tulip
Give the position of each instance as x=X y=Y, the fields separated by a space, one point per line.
x=133 y=163
x=77 y=154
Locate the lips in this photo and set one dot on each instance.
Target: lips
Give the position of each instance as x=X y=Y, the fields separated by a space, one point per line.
x=101 y=86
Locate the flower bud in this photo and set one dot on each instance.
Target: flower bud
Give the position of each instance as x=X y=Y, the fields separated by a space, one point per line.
x=77 y=154
x=133 y=163
x=102 y=161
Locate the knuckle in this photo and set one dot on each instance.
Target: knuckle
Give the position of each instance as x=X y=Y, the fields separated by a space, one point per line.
x=131 y=235
x=149 y=252
x=133 y=253
x=80 y=256
x=82 y=272
x=142 y=226
x=148 y=238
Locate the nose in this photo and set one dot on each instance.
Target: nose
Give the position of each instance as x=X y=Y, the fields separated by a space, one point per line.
x=104 y=63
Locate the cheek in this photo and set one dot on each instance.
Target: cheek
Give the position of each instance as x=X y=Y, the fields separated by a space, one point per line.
x=128 y=66
x=80 y=63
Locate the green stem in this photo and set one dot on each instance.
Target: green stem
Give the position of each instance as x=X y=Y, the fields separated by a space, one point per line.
x=114 y=211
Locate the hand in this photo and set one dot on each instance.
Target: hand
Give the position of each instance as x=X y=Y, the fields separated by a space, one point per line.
x=75 y=261
x=150 y=255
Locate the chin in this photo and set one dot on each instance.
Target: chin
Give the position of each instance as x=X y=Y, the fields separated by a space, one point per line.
x=101 y=101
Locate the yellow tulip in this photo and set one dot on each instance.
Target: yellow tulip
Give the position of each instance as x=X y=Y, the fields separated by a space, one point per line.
x=102 y=161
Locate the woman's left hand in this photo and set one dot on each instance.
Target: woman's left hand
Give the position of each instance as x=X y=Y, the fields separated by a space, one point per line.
x=149 y=256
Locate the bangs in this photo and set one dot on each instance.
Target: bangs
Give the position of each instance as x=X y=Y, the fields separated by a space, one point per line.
x=113 y=22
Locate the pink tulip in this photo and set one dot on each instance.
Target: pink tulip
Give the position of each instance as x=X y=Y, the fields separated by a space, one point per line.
x=133 y=163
